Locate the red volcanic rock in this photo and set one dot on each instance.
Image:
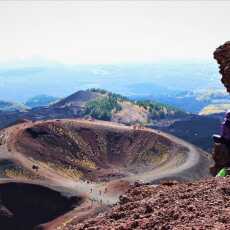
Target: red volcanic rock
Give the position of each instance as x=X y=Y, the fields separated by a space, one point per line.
x=221 y=154
x=222 y=55
x=221 y=157
x=204 y=204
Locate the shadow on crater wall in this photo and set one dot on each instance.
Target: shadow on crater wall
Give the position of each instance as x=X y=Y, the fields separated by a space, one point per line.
x=25 y=206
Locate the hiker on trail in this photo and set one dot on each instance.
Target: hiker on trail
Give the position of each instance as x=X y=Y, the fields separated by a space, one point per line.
x=224 y=138
x=35 y=167
x=92 y=203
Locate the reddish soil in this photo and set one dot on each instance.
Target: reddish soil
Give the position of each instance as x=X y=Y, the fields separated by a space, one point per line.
x=204 y=204
x=222 y=55
x=109 y=157
x=68 y=143
x=117 y=187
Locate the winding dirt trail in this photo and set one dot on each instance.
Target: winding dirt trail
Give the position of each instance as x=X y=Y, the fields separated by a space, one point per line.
x=193 y=164
x=193 y=157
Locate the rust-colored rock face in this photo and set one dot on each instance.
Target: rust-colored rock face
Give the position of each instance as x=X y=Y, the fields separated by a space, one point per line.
x=221 y=154
x=221 y=157
x=177 y=206
x=222 y=55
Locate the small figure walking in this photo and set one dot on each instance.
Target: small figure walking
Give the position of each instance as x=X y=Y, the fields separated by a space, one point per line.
x=35 y=167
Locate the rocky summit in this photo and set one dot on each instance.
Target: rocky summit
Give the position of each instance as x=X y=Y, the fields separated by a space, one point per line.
x=222 y=55
x=200 y=205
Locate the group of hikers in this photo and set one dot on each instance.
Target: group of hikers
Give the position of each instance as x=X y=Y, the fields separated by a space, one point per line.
x=224 y=138
x=100 y=193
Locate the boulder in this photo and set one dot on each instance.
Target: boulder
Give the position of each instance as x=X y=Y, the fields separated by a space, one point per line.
x=222 y=55
x=221 y=157
x=221 y=153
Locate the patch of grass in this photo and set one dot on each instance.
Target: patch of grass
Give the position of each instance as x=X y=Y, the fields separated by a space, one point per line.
x=158 y=110
x=68 y=171
x=18 y=173
x=215 y=108
x=155 y=155
x=86 y=164
x=10 y=169
x=102 y=108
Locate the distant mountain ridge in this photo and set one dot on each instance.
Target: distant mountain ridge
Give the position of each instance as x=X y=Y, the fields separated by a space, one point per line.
x=99 y=104
x=104 y=105
x=21 y=83
x=78 y=99
x=192 y=101
x=12 y=107
x=40 y=100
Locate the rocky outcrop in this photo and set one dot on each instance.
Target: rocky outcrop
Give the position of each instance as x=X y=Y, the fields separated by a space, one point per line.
x=221 y=153
x=199 y=205
x=221 y=157
x=222 y=55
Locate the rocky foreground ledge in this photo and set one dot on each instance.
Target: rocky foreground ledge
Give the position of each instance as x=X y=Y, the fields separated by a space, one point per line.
x=204 y=204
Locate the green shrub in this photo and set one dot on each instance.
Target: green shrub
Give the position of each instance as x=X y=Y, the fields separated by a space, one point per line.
x=158 y=110
x=102 y=108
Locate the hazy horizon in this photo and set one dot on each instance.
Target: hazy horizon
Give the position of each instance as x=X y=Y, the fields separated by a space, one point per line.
x=60 y=47
x=18 y=84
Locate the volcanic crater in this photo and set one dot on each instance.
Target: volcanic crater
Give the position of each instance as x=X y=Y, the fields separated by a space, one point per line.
x=94 y=161
x=94 y=151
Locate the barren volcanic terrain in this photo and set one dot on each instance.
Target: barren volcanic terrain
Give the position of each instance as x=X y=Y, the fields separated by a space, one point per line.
x=204 y=204
x=97 y=151
x=94 y=161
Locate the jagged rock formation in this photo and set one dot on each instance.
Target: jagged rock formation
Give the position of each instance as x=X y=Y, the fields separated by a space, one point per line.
x=199 y=205
x=222 y=55
x=221 y=154
x=221 y=158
